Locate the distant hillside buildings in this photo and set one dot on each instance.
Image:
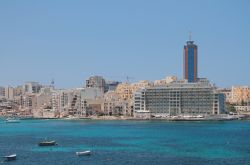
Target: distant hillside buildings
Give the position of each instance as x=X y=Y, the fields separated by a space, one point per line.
x=239 y=97
x=100 y=83
x=32 y=87
x=237 y=94
x=165 y=97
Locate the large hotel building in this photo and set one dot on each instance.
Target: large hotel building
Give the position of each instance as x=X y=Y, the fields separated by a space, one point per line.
x=179 y=98
x=191 y=96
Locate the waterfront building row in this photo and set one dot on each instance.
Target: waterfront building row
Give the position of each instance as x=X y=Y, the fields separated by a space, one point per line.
x=168 y=96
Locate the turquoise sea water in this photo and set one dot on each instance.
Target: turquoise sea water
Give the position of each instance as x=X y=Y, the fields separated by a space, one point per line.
x=127 y=142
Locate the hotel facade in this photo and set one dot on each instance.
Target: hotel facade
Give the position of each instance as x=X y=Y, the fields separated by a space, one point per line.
x=179 y=98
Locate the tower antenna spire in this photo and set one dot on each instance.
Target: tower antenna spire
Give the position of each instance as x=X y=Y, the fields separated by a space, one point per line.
x=52 y=84
x=190 y=36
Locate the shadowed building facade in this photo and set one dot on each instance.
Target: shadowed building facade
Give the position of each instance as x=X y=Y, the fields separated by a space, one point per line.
x=190 y=61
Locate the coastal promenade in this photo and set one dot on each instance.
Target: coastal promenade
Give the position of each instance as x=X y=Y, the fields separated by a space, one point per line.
x=222 y=117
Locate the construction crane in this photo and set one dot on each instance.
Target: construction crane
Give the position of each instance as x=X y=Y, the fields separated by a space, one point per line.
x=52 y=84
x=128 y=78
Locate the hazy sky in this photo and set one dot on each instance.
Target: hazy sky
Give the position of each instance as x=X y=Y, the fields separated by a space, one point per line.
x=71 y=40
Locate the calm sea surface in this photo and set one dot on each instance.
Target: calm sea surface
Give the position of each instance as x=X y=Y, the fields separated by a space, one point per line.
x=127 y=142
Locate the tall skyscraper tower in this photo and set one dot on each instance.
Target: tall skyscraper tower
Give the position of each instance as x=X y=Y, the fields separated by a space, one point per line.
x=190 y=61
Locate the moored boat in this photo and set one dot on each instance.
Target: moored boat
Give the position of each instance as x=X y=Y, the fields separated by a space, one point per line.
x=10 y=120
x=10 y=157
x=47 y=143
x=83 y=153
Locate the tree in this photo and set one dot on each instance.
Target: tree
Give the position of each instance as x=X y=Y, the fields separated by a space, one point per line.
x=242 y=102
x=230 y=107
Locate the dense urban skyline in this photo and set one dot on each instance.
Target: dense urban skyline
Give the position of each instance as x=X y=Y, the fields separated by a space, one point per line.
x=69 y=41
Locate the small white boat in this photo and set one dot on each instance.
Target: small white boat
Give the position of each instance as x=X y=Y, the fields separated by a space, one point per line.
x=83 y=153
x=10 y=120
x=47 y=143
x=10 y=157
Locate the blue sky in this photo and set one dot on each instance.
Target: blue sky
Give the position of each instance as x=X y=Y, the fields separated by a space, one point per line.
x=144 y=39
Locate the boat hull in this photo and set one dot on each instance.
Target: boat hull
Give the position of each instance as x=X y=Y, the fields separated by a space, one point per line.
x=12 y=121
x=10 y=158
x=84 y=153
x=52 y=143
